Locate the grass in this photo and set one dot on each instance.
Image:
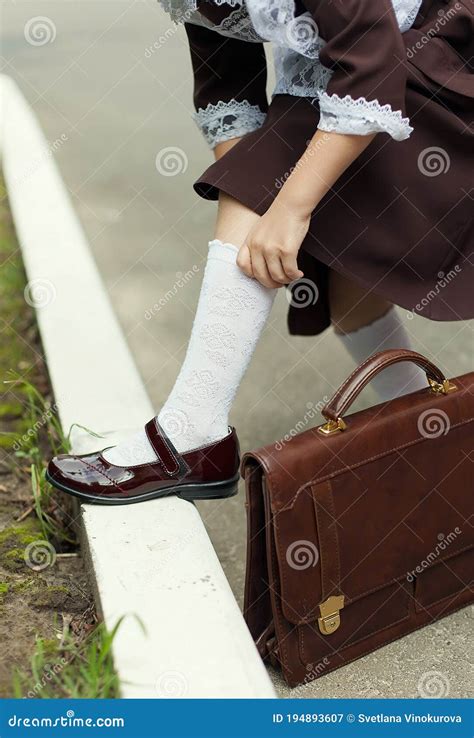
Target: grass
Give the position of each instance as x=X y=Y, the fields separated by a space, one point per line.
x=43 y=429
x=15 y=326
x=68 y=670
x=78 y=663
x=29 y=427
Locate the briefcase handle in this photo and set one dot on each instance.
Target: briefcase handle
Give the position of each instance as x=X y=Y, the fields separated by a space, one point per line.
x=360 y=377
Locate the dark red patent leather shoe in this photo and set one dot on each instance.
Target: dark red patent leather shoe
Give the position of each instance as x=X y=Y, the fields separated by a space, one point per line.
x=205 y=473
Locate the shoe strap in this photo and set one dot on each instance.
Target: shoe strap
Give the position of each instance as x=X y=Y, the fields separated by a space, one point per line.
x=170 y=460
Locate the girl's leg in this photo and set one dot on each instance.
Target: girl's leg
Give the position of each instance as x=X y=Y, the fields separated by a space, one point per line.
x=231 y=313
x=367 y=323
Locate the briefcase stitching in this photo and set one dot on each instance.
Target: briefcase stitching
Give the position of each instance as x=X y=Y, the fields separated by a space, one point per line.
x=367 y=460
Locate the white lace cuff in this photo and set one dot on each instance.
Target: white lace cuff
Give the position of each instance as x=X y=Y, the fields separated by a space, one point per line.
x=361 y=117
x=228 y=120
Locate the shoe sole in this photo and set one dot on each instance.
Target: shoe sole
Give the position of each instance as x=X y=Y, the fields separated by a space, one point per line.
x=205 y=491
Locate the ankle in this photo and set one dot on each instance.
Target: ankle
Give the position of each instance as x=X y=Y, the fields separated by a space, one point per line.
x=187 y=433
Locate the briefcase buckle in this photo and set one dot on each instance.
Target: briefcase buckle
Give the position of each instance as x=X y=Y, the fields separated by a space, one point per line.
x=330 y=619
x=441 y=388
x=332 y=426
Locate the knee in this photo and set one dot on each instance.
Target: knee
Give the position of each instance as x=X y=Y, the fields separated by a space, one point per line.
x=352 y=306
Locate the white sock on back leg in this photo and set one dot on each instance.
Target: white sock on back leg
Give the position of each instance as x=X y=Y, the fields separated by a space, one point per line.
x=385 y=333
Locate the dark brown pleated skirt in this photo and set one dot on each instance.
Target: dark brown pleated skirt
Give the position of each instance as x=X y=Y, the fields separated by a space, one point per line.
x=400 y=221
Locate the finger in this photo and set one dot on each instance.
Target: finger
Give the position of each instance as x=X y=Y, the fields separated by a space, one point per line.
x=290 y=267
x=275 y=268
x=260 y=270
x=244 y=261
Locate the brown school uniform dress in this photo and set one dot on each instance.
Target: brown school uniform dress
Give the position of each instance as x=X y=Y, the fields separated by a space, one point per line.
x=400 y=220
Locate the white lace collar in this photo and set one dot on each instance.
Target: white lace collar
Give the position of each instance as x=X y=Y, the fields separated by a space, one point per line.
x=276 y=21
x=273 y=20
x=182 y=10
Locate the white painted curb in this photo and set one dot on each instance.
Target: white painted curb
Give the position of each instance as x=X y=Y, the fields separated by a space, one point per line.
x=154 y=559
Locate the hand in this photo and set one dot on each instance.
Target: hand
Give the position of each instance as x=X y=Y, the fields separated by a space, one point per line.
x=272 y=244
x=270 y=250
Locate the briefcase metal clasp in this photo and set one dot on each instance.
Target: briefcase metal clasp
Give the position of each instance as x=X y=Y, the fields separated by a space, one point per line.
x=332 y=426
x=441 y=388
x=330 y=619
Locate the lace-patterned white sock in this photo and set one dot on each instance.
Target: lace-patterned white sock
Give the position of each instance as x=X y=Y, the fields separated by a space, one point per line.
x=385 y=333
x=231 y=313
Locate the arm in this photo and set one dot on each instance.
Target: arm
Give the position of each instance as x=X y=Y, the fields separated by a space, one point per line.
x=271 y=249
x=328 y=155
x=229 y=85
x=365 y=96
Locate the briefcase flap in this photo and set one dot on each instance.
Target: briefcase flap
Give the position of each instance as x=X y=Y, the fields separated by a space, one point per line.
x=382 y=502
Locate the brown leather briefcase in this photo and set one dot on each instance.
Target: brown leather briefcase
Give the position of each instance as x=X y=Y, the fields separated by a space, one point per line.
x=360 y=531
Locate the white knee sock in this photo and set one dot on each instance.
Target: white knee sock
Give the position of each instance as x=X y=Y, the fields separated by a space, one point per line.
x=385 y=333
x=230 y=316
